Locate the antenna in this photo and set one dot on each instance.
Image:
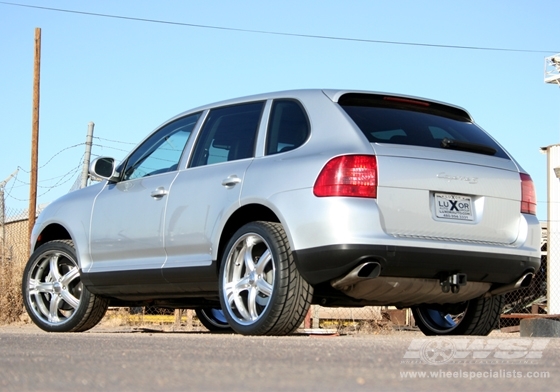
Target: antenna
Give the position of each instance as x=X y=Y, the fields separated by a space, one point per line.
x=552 y=69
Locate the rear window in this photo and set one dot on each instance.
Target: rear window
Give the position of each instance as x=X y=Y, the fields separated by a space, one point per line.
x=412 y=122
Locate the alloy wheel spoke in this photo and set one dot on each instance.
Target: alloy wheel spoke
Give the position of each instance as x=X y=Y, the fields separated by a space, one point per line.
x=240 y=306
x=41 y=305
x=53 y=309
x=67 y=278
x=238 y=266
x=263 y=262
x=248 y=253
x=40 y=287
x=264 y=287
x=70 y=299
x=54 y=267
x=252 y=303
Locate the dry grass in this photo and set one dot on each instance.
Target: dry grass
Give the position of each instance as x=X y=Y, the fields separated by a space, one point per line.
x=11 y=303
x=354 y=327
x=149 y=317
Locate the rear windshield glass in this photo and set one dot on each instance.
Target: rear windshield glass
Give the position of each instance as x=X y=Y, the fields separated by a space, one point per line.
x=413 y=124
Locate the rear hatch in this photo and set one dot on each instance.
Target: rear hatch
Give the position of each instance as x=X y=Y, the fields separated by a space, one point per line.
x=440 y=176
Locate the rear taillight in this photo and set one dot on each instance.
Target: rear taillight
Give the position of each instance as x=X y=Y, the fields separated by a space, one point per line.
x=348 y=175
x=528 y=195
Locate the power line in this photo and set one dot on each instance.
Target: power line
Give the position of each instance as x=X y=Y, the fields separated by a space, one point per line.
x=324 y=37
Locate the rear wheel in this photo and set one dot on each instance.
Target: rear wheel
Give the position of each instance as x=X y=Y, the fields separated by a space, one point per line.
x=213 y=319
x=478 y=316
x=261 y=290
x=53 y=293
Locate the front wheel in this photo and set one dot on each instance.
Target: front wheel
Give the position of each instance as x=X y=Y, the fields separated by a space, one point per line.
x=478 y=316
x=261 y=290
x=53 y=293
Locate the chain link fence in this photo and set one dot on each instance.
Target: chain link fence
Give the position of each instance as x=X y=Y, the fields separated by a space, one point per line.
x=529 y=301
x=14 y=253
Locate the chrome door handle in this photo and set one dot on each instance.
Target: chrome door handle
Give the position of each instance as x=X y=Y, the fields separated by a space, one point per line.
x=159 y=193
x=231 y=181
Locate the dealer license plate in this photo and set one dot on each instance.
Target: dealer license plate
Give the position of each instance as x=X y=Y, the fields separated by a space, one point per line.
x=455 y=207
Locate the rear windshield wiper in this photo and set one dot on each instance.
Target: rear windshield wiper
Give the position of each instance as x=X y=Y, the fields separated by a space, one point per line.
x=467 y=146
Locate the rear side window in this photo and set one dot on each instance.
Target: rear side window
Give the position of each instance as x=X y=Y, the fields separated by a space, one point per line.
x=415 y=123
x=288 y=127
x=228 y=134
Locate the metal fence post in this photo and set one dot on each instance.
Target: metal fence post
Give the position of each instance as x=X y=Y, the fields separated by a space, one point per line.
x=87 y=156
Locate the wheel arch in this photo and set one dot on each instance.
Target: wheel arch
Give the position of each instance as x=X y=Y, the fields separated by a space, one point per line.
x=51 y=232
x=56 y=231
x=246 y=214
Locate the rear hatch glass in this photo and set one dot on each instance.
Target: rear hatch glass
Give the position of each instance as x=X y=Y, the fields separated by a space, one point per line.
x=395 y=120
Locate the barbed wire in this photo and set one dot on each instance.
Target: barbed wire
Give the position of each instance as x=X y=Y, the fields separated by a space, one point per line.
x=114 y=141
x=110 y=148
x=28 y=171
x=63 y=179
x=60 y=152
x=47 y=184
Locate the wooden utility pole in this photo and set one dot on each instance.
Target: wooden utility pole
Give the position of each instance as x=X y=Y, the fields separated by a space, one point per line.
x=35 y=132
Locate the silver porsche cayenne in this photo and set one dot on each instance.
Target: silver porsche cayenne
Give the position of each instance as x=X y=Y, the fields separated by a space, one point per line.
x=252 y=209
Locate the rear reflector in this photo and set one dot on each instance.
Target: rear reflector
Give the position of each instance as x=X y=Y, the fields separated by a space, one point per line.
x=348 y=175
x=528 y=195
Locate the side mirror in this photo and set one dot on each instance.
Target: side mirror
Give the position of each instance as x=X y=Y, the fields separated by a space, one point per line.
x=103 y=168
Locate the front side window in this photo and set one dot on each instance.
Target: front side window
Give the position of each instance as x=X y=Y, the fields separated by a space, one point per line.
x=228 y=134
x=288 y=127
x=162 y=151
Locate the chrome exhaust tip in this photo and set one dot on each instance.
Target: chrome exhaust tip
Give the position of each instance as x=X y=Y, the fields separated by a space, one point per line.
x=367 y=270
x=524 y=281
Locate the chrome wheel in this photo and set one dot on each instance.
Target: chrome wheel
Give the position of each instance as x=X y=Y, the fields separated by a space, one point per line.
x=248 y=278
x=261 y=290
x=54 y=287
x=53 y=293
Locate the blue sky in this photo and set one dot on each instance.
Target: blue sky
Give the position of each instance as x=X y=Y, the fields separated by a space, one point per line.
x=129 y=76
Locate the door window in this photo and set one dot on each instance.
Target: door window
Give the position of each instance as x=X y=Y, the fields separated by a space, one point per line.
x=162 y=151
x=228 y=134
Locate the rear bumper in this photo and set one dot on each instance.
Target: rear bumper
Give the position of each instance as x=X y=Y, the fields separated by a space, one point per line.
x=321 y=264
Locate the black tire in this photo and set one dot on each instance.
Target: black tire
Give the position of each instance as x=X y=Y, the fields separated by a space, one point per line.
x=478 y=316
x=213 y=319
x=54 y=296
x=261 y=290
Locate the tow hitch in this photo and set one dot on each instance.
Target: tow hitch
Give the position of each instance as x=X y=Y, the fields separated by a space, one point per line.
x=453 y=283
